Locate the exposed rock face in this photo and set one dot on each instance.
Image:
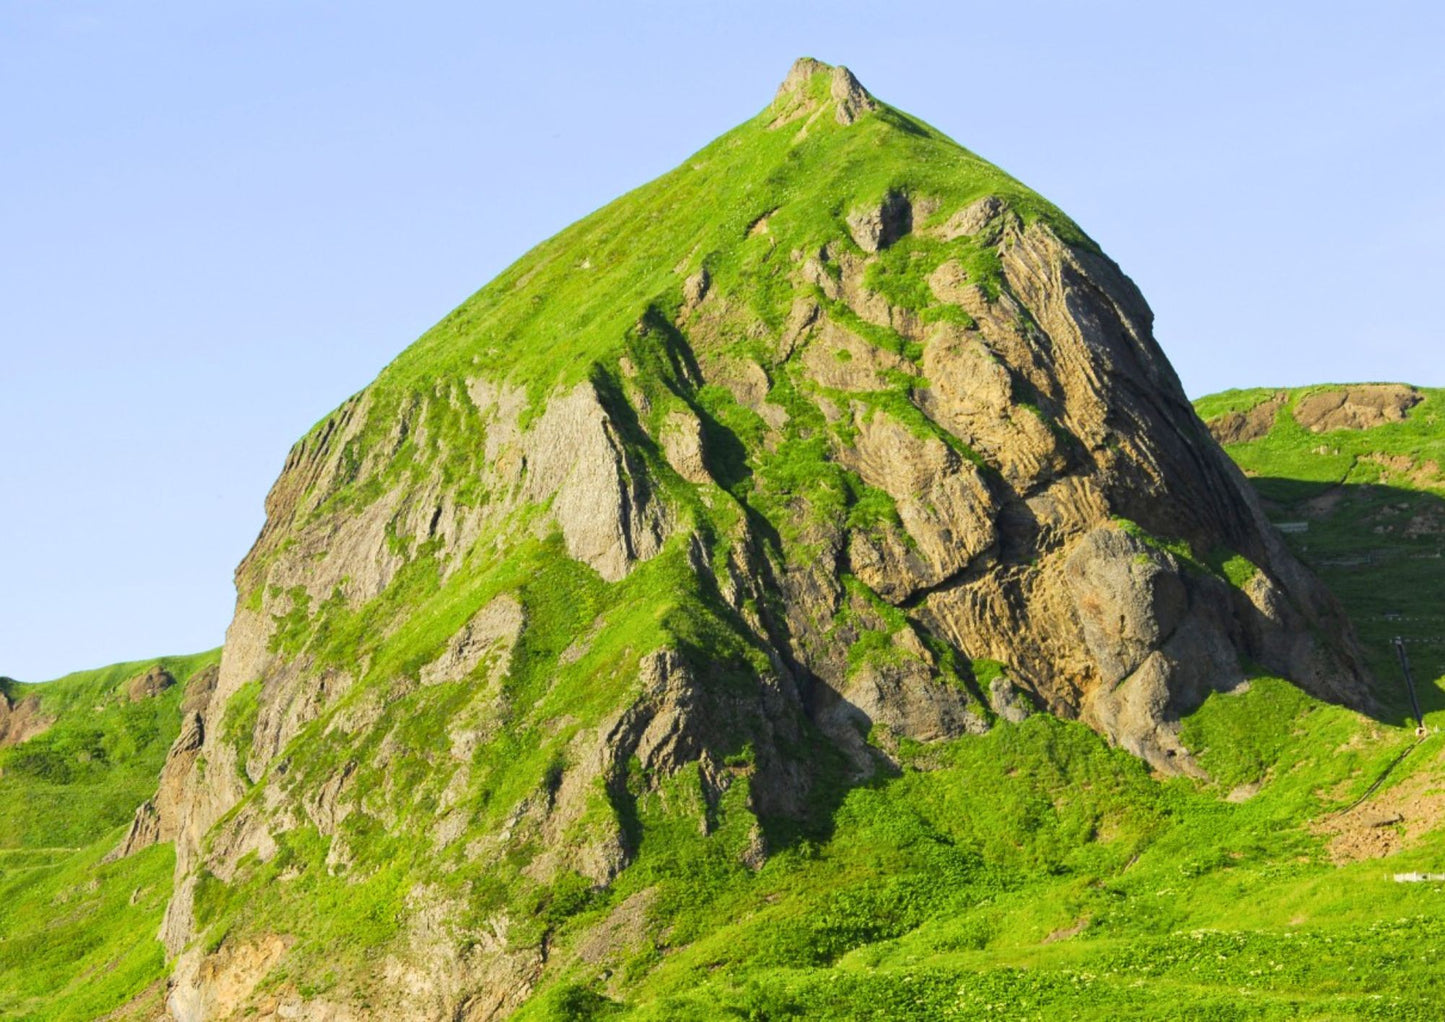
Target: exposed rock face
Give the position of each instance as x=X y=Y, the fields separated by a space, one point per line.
x=1356 y=406
x=221 y=983
x=1006 y=701
x=599 y=494
x=148 y=684
x=909 y=700
x=797 y=96
x=790 y=510
x=945 y=510
x=159 y=817
x=21 y=720
x=694 y=289
x=1242 y=427
x=488 y=639
x=971 y=219
x=876 y=227
x=683 y=446
x=1362 y=406
x=1161 y=639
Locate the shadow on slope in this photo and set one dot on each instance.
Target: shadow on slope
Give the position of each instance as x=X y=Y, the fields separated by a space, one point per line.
x=1381 y=550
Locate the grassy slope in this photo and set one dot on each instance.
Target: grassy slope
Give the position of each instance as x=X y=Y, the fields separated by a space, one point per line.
x=939 y=891
x=76 y=934
x=573 y=300
x=611 y=283
x=1376 y=531
x=955 y=891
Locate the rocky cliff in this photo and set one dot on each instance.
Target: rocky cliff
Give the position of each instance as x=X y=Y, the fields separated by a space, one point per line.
x=833 y=439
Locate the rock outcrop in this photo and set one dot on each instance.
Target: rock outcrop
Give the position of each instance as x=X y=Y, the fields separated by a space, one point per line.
x=1243 y=426
x=159 y=817
x=1361 y=406
x=149 y=683
x=1353 y=406
x=21 y=719
x=876 y=227
x=800 y=96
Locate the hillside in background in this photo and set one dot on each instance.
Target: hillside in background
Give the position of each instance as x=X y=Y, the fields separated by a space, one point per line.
x=77 y=756
x=799 y=589
x=1353 y=475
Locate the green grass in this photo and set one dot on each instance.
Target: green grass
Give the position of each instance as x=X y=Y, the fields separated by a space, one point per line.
x=85 y=775
x=1034 y=873
x=1215 y=405
x=574 y=302
x=936 y=892
x=77 y=935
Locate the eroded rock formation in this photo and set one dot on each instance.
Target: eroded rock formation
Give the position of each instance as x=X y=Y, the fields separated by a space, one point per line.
x=944 y=435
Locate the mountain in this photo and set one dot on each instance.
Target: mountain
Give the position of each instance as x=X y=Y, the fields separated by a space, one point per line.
x=799 y=589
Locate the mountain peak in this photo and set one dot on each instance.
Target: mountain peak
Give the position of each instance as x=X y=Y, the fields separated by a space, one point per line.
x=811 y=84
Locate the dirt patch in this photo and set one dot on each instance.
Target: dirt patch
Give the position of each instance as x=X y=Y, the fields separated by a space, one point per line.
x=1363 y=406
x=1324 y=505
x=1064 y=933
x=1243 y=792
x=622 y=930
x=1241 y=427
x=1390 y=820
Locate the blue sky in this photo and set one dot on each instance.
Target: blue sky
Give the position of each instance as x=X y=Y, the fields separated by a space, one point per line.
x=219 y=220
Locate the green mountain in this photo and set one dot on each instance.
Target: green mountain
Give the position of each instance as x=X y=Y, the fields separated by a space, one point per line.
x=800 y=589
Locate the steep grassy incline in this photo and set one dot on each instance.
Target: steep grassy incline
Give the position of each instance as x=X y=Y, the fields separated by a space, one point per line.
x=1031 y=873
x=77 y=932
x=742 y=209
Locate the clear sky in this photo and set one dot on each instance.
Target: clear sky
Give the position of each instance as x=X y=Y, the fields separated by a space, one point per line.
x=218 y=220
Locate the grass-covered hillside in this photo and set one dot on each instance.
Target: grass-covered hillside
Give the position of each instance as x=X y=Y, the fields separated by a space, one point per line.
x=78 y=933
x=1359 y=488
x=1034 y=873
x=1031 y=873
x=743 y=211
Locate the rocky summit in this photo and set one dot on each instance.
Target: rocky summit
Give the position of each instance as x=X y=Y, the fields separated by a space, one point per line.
x=830 y=455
